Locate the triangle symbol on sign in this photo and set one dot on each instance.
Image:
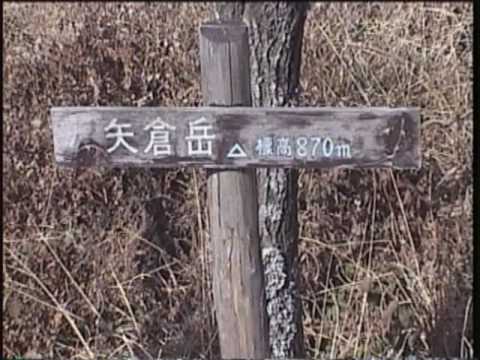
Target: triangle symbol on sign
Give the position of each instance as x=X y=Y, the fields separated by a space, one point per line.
x=236 y=152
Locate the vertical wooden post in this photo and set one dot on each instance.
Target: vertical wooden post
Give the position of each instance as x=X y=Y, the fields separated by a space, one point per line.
x=238 y=285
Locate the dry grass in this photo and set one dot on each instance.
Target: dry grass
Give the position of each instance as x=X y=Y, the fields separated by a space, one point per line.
x=385 y=255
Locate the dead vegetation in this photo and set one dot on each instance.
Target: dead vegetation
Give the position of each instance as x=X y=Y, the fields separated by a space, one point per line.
x=386 y=255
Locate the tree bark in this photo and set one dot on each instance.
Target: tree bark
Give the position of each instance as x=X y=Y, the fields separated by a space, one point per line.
x=275 y=41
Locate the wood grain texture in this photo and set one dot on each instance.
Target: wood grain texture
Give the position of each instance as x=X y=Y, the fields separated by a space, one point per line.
x=376 y=137
x=238 y=286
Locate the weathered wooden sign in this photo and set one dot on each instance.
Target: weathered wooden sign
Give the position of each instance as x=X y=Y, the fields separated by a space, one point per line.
x=221 y=137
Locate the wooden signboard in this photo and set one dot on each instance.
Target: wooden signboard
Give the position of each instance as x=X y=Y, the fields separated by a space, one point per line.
x=236 y=137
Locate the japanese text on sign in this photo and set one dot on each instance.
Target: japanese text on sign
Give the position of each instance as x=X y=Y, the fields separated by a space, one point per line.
x=201 y=137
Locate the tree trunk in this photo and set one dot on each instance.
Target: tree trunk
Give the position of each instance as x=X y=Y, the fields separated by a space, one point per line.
x=275 y=36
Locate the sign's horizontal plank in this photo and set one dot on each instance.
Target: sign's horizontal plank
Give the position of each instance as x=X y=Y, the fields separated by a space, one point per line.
x=236 y=137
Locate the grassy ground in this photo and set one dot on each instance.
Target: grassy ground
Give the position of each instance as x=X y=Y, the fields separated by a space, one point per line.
x=386 y=255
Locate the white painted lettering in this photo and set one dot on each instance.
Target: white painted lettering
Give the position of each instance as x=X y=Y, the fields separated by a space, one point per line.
x=199 y=139
x=119 y=135
x=264 y=146
x=159 y=138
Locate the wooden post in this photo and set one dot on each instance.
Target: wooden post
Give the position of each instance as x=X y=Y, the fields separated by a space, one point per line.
x=238 y=285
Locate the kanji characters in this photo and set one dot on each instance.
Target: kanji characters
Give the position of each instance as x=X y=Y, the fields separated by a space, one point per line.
x=159 y=138
x=284 y=147
x=264 y=146
x=199 y=139
x=119 y=135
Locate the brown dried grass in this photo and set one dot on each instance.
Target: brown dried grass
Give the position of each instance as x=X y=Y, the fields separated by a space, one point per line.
x=385 y=255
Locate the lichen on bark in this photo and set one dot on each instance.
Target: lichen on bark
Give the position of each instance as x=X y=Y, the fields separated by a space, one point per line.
x=280 y=297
